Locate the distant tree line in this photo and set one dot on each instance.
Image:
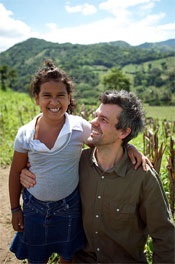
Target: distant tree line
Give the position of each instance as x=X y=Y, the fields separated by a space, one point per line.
x=94 y=68
x=147 y=84
x=156 y=85
x=7 y=77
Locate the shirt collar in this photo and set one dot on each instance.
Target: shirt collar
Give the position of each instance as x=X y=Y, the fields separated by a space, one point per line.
x=66 y=129
x=119 y=168
x=71 y=123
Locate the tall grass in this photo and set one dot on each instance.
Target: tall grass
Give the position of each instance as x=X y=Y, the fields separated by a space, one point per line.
x=16 y=109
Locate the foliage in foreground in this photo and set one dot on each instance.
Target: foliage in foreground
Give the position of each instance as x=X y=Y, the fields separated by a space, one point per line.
x=16 y=109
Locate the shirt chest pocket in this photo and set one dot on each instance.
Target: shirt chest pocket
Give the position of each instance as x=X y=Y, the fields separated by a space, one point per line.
x=123 y=209
x=120 y=214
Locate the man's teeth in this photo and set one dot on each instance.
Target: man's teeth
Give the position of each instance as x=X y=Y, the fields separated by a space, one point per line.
x=94 y=132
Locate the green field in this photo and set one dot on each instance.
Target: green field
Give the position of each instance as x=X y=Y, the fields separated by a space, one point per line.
x=161 y=112
x=17 y=109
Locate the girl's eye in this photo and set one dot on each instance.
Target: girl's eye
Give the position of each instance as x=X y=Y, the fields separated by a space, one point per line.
x=50 y=96
x=61 y=95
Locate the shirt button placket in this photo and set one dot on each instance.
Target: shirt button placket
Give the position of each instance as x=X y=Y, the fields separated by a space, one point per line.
x=98 y=208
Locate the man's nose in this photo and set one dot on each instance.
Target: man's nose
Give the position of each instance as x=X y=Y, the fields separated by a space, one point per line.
x=94 y=121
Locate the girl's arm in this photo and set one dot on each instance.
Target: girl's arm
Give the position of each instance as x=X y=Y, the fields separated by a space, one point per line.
x=137 y=158
x=18 y=163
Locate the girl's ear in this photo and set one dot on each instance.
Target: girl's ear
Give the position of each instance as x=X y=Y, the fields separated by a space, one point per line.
x=125 y=133
x=37 y=99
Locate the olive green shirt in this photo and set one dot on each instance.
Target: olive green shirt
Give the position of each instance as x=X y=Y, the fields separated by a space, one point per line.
x=120 y=207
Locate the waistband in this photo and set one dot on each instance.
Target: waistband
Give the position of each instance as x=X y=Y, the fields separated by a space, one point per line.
x=66 y=199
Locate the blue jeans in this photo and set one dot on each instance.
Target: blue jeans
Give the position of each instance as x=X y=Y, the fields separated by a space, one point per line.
x=49 y=227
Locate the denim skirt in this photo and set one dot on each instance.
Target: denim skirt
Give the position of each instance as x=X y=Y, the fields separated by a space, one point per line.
x=49 y=227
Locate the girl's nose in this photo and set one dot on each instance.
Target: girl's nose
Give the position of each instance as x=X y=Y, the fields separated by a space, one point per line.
x=54 y=100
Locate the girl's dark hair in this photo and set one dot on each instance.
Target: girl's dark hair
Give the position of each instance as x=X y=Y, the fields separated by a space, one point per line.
x=52 y=73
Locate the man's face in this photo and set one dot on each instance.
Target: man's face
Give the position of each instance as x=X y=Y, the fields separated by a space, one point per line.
x=103 y=130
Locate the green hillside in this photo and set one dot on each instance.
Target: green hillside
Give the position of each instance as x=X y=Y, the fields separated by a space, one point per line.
x=150 y=67
x=16 y=109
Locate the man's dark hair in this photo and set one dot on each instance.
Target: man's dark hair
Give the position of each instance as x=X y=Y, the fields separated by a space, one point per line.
x=132 y=115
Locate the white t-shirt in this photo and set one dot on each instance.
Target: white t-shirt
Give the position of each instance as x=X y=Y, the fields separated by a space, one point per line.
x=56 y=169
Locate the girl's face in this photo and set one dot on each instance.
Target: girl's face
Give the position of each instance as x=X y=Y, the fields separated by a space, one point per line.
x=53 y=100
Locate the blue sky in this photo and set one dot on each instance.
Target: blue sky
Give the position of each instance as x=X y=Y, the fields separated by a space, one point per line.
x=86 y=22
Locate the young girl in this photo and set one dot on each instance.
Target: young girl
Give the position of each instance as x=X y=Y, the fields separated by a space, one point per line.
x=52 y=142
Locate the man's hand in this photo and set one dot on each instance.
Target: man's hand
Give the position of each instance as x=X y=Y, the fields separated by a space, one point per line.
x=137 y=158
x=27 y=178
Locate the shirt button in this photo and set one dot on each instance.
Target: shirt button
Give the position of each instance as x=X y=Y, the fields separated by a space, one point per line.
x=102 y=177
x=97 y=216
x=96 y=232
x=99 y=197
x=117 y=209
x=98 y=249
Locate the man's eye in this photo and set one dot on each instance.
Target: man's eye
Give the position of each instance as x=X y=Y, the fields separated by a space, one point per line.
x=103 y=120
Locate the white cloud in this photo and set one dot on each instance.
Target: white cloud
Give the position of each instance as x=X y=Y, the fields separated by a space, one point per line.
x=125 y=25
x=111 y=29
x=12 y=30
x=85 y=9
x=10 y=26
x=111 y=5
x=126 y=10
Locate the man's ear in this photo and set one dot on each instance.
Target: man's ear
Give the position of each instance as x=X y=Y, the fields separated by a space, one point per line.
x=125 y=133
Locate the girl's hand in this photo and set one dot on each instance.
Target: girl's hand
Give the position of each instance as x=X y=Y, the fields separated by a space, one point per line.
x=17 y=221
x=137 y=158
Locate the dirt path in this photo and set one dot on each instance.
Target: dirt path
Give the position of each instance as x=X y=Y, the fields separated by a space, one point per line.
x=6 y=231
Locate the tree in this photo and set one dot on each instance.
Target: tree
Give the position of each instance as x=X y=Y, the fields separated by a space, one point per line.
x=12 y=76
x=116 y=80
x=7 y=77
x=4 y=75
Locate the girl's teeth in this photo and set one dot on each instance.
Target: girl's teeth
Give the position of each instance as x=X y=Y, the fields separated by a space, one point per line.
x=54 y=110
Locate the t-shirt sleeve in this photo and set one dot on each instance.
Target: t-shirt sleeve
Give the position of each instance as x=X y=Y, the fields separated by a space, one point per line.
x=86 y=130
x=19 y=143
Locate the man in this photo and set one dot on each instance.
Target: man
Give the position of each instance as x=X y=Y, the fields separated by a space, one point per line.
x=121 y=206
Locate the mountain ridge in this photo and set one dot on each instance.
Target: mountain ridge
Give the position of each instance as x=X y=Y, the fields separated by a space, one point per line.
x=166 y=43
x=87 y=64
